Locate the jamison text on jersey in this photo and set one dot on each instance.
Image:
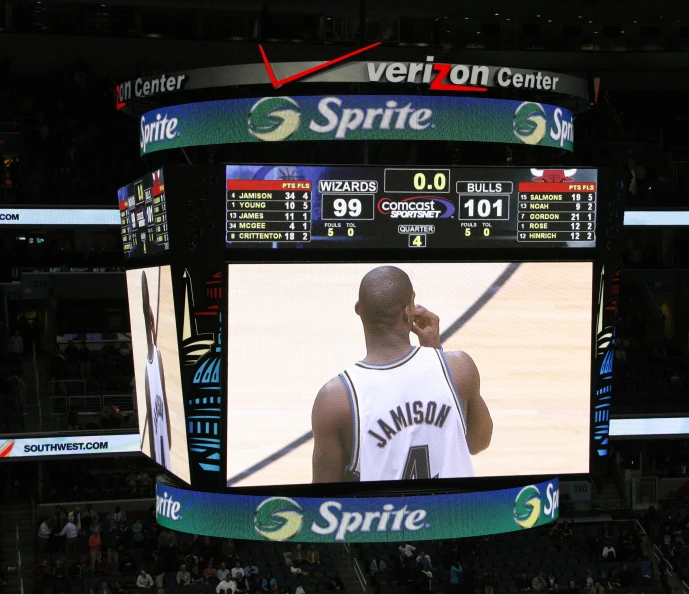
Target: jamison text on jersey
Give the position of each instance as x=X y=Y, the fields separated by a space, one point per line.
x=407 y=415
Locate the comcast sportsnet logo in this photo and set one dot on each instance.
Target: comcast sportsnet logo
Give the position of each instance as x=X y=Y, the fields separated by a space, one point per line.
x=529 y=123
x=274 y=118
x=529 y=506
x=416 y=207
x=278 y=518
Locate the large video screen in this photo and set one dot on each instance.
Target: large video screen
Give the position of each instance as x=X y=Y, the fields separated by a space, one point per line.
x=143 y=216
x=160 y=402
x=370 y=372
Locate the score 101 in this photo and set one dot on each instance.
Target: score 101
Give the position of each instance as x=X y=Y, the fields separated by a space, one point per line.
x=475 y=209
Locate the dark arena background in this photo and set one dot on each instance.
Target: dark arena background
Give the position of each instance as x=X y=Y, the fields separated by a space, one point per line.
x=372 y=297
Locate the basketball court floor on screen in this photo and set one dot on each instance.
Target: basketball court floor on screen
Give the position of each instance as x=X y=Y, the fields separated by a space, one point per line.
x=162 y=303
x=527 y=327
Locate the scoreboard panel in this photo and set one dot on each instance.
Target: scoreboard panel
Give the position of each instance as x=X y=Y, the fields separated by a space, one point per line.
x=409 y=207
x=143 y=216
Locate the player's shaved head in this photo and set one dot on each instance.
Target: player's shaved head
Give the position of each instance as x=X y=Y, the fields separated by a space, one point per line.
x=384 y=294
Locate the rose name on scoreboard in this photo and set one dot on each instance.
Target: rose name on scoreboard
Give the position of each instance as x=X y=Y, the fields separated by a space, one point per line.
x=359 y=206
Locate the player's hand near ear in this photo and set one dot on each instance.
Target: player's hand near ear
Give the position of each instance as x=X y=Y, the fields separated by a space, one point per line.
x=426 y=325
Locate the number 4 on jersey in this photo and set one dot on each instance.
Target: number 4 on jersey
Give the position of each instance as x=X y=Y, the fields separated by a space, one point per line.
x=418 y=465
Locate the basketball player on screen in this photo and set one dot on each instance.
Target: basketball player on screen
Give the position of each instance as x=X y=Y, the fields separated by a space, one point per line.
x=403 y=412
x=157 y=412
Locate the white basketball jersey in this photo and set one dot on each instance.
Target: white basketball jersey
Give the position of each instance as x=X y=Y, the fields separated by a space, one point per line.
x=161 y=444
x=408 y=419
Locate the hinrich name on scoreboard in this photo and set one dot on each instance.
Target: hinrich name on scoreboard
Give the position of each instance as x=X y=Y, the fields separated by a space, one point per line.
x=359 y=206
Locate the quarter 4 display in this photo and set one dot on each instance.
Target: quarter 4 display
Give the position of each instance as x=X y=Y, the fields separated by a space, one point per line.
x=398 y=207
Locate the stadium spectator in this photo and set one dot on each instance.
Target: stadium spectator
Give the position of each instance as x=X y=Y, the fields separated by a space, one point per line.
x=298 y=556
x=567 y=530
x=336 y=583
x=15 y=348
x=523 y=583
x=183 y=577
x=377 y=564
x=210 y=572
x=609 y=553
x=237 y=571
x=226 y=585
x=228 y=549
x=222 y=572
x=589 y=579
x=552 y=581
x=59 y=574
x=44 y=534
x=597 y=589
x=118 y=588
x=646 y=569
x=138 y=535
x=490 y=582
x=250 y=571
x=625 y=577
x=85 y=362
x=455 y=576
x=539 y=584
x=406 y=552
x=70 y=533
x=94 y=549
x=424 y=560
x=269 y=583
x=313 y=557
x=196 y=575
x=297 y=570
x=144 y=580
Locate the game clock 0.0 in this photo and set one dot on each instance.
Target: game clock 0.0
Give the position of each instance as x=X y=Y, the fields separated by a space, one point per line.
x=410 y=207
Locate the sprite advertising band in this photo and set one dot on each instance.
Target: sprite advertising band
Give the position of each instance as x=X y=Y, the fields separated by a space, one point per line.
x=356 y=117
x=361 y=519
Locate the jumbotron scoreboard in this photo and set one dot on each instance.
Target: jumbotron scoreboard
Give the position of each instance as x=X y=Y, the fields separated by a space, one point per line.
x=143 y=216
x=414 y=207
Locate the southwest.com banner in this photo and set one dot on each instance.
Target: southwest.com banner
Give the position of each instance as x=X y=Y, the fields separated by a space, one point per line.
x=362 y=519
x=29 y=447
x=356 y=117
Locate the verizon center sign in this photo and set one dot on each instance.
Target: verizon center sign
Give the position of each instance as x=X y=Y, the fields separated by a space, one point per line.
x=431 y=73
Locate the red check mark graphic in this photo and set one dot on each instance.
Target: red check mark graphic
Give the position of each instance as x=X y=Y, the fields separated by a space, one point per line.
x=119 y=104
x=278 y=83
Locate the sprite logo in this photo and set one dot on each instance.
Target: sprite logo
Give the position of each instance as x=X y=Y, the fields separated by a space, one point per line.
x=527 y=507
x=274 y=118
x=278 y=518
x=529 y=122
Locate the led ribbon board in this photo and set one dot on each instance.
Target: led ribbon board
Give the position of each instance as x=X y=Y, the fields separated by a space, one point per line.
x=30 y=447
x=356 y=117
x=361 y=519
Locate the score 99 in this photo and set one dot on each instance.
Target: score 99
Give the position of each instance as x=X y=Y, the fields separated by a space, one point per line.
x=344 y=207
x=351 y=207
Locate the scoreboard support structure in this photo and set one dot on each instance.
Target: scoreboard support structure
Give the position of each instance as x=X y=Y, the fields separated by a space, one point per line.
x=217 y=214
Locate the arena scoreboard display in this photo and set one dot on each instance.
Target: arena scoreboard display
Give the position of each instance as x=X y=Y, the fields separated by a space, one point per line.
x=143 y=216
x=409 y=207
